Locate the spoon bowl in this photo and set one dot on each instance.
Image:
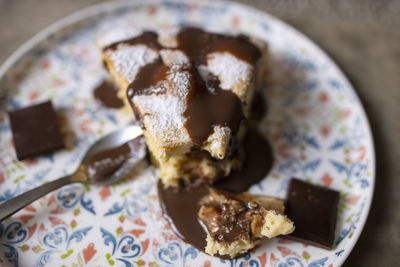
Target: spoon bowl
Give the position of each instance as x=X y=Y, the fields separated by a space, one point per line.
x=112 y=157
x=113 y=140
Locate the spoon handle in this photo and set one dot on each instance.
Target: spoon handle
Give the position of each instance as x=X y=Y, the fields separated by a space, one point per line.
x=13 y=205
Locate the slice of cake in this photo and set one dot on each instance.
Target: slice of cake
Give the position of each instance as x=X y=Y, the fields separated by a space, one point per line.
x=237 y=222
x=191 y=92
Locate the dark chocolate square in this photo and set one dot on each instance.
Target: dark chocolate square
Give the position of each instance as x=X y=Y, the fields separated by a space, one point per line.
x=35 y=130
x=313 y=209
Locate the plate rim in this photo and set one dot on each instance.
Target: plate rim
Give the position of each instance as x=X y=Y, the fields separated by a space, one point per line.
x=110 y=5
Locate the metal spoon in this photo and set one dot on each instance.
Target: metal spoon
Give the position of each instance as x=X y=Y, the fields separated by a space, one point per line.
x=83 y=174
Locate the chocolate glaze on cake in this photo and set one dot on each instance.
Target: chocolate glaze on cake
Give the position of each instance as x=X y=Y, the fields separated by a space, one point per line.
x=147 y=79
x=147 y=38
x=208 y=105
x=197 y=43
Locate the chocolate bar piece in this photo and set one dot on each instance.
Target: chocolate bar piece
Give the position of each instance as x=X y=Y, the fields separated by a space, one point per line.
x=313 y=209
x=35 y=130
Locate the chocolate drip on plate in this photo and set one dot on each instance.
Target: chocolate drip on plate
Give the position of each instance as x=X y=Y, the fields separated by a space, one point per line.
x=180 y=207
x=258 y=159
x=106 y=94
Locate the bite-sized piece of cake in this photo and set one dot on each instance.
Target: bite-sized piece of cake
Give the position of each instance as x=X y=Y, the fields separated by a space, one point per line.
x=237 y=222
x=191 y=92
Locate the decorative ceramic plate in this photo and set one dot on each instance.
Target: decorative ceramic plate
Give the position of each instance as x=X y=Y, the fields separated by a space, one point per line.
x=315 y=122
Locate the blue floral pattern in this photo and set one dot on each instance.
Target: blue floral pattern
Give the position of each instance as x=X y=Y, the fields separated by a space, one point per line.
x=245 y=261
x=123 y=249
x=12 y=234
x=70 y=196
x=58 y=242
x=296 y=262
x=174 y=255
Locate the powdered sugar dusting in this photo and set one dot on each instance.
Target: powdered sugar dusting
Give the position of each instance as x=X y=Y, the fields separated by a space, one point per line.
x=219 y=132
x=163 y=116
x=229 y=69
x=174 y=59
x=167 y=37
x=218 y=141
x=163 y=113
x=179 y=83
x=129 y=59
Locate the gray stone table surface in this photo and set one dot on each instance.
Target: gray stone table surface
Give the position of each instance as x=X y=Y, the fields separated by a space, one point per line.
x=363 y=37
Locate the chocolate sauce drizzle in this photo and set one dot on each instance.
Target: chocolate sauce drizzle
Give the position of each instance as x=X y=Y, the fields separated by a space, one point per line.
x=208 y=104
x=197 y=43
x=147 y=38
x=148 y=77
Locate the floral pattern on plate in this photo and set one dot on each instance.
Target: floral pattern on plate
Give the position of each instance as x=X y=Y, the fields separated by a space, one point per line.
x=315 y=122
